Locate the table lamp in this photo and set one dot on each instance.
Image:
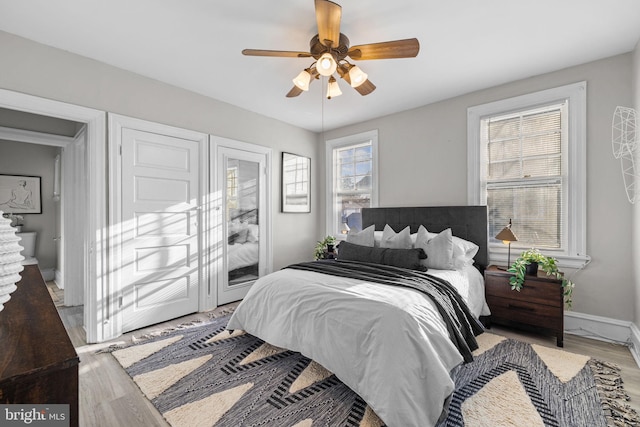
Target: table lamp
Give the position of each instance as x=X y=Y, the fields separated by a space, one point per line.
x=507 y=236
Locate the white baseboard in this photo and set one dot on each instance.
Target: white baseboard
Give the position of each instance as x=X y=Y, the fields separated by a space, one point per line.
x=59 y=280
x=604 y=329
x=635 y=343
x=597 y=327
x=48 y=274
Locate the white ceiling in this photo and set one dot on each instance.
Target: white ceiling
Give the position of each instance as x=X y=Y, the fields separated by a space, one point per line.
x=465 y=45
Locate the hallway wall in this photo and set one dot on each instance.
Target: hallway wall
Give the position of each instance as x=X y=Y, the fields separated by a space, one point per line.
x=20 y=158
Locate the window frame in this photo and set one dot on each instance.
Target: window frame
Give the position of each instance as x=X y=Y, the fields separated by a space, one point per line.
x=575 y=95
x=342 y=142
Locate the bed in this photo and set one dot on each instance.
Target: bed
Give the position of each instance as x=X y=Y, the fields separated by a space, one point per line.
x=390 y=344
x=243 y=249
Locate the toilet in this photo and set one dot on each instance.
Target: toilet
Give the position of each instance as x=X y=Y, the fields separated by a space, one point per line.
x=28 y=242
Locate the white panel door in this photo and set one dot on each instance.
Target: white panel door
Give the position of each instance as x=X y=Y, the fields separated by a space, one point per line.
x=160 y=216
x=74 y=228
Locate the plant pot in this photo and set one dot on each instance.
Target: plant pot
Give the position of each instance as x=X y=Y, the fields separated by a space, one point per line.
x=531 y=269
x=330 y=248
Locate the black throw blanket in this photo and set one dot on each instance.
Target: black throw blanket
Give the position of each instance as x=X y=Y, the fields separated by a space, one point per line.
x=462 y=326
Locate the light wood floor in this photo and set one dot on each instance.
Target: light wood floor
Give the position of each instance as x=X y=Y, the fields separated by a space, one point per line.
x=108 y=396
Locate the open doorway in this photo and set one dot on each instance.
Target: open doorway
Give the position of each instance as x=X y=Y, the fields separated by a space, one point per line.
x=98 y=300
x=53 y=150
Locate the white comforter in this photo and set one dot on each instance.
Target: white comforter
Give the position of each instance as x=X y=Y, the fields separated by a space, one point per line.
x=389 y=344
x=243 y=255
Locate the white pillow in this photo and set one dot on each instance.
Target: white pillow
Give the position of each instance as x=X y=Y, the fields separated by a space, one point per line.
x=438 y=247
x=463 y=252
x=391 y=239
x=254 y=233
x=364 y=237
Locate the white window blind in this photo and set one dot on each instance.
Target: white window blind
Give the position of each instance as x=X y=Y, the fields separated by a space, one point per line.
x=526 y=175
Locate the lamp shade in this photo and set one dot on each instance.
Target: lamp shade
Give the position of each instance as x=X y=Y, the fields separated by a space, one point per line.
x=357 y=76
x=333 y=89
x=506 y=235
x=326 y=65
x=302 y=80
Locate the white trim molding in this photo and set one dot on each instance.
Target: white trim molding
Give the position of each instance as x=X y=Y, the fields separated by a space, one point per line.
x=604 y=329
x=96 y=318
x=635 y=343
x=21 y=135
x=576 y=95
x=332 y=144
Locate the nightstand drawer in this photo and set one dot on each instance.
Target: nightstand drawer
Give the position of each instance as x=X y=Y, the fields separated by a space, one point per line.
x=538 y=305
x=544 y=316
x=533 y=291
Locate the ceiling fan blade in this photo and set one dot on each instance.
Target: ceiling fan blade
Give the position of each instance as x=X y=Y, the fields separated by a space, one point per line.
x=278 y=53
x=295 y=91
x=328 y=16
x=408 y=48
x=366 y=88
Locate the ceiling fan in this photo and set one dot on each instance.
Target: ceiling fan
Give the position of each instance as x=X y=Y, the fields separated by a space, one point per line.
x=330 y=48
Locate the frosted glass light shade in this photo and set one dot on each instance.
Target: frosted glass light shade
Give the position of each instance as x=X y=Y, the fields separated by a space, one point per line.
x=10 y=260
x=333 y=89
x=326 y=65
x=357 y=76
x=302 y=80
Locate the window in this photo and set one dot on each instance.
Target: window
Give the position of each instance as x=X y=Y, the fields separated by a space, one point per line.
x=527 y=163
x=232 y=187
x=351 y=180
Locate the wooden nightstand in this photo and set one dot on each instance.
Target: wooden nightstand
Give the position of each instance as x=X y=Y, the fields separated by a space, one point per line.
x=538 y=305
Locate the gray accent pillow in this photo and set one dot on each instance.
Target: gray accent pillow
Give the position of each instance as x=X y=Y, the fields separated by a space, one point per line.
x=364 y=237
x=439 y=249
x=391 y=239
x=403 y=258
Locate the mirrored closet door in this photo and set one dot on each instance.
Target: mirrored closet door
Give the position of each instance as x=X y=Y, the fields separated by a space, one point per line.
x=242 y=219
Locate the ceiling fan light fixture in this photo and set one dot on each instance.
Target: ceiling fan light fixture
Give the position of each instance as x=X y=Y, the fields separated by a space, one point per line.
x=326 y=64
x=333 y=89
x=302 y=80
x=357 y=76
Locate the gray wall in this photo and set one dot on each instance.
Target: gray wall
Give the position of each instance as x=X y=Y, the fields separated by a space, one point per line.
x=422 y=151
x=47 y=72
x=20 y=158
x=423 y=155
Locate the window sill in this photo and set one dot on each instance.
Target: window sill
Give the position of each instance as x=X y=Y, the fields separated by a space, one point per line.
x=564 y=261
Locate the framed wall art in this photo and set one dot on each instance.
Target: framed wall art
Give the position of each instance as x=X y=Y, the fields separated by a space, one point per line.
x=296 y=183
x=20 y=194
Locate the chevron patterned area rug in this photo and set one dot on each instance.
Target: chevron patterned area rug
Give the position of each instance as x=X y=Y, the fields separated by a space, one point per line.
x=205 y=376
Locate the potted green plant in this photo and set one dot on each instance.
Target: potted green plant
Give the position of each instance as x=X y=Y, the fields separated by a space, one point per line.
x=323 y=246
x=528 y=263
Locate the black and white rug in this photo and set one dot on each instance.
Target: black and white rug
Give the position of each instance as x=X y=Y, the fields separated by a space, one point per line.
x=203 y=376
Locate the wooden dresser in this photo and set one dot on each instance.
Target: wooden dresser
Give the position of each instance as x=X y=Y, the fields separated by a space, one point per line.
x=538 y=306
x=38 y=363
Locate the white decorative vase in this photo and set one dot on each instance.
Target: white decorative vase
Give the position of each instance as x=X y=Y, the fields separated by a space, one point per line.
x=10 y=260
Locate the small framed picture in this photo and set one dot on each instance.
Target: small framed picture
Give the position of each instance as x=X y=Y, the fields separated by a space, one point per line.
x=20 y=194
x=296 y=183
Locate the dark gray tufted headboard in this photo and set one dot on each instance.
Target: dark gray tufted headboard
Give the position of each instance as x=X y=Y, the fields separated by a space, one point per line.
x=466 y=222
